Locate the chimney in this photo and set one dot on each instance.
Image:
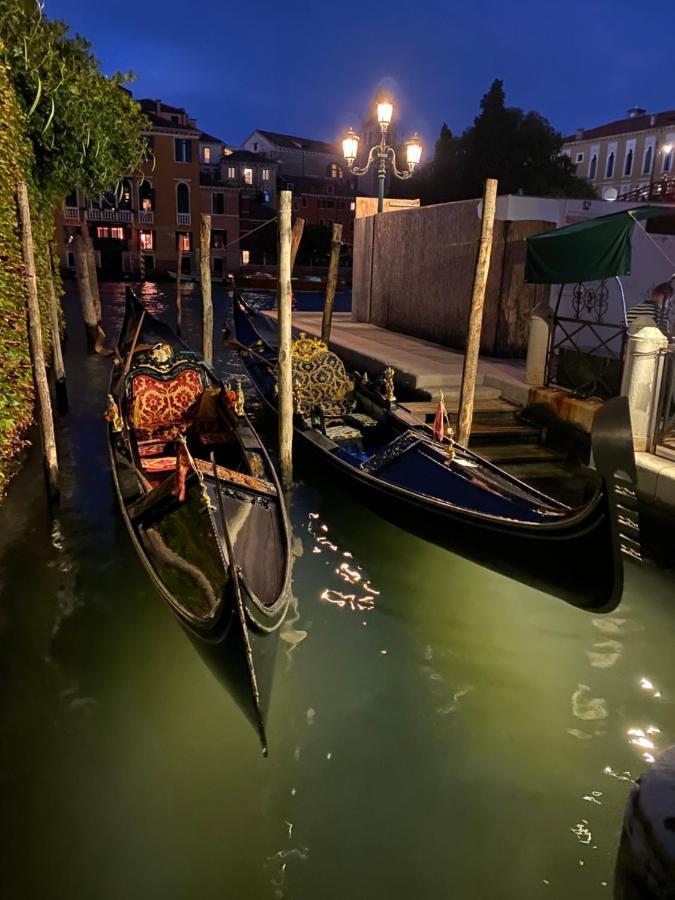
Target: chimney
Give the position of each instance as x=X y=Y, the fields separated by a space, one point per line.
x=635 y=112
x=158 y=107
x=652 y=121
x=580 y=134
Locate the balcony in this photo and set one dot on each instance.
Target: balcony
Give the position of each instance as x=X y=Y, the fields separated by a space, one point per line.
x=121 y=216
x=71 y=212
x=183 y=219
x=146 y=217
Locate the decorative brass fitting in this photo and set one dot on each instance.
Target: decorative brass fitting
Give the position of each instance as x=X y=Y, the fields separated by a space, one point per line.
x=451 y=444
x=239 y=405
x=389 y=384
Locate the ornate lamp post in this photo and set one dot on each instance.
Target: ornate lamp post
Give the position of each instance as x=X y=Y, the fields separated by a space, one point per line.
x=382 y=152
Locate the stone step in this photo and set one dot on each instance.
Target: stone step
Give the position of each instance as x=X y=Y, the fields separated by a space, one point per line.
x=483 y=432
x=426 y=409
x=452 y=394
x=501 y=454
x=434 y=381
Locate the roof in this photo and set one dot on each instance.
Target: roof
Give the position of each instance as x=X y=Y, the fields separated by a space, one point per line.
x=625 y=126
x=148 y=102
x=306 y=184
x=291 y=142
x=210 y=139
x=248 y=156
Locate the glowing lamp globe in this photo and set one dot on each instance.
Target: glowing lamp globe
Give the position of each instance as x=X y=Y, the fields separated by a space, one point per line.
x=413 y=151
x=350 y=147
x=385 y=111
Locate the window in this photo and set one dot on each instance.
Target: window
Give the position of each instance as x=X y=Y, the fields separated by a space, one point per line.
x=102 y=231
x=255 y=148
x=183 y=238
x=592 y=169
x=146 y=196
x=182 y=150
x=218 y=239
x=289 y=186
x=70 y=259
x=609 y=171
x=335 y=171
x=266 y=197
x=231 y=172
x=628 y=166
x=245 y=257
x=69 y=233
x=248 y=176
x=217 y=265
x=266 y=174
x=206 y=154
x=147 y=240
x=117 y=234
x=182 y=198
x=125 y=199
x=668 y=158
x=647 y=164
x=71 y=199
x=579 y=158
x=148 y=262
x=218 y=203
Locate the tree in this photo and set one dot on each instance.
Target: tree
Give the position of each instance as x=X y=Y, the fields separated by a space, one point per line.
x=520 y=149
x=85 y=129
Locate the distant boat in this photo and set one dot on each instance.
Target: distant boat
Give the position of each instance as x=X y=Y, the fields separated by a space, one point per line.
x=457 y=500
x=266 y=281
x=202 y=504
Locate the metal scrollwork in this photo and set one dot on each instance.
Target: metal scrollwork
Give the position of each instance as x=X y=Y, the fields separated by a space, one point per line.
x=592 y=302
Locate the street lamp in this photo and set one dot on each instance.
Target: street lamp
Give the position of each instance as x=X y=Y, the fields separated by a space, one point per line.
x=382 y=152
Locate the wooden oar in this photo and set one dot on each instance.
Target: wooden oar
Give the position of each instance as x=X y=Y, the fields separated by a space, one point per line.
x=240 y=606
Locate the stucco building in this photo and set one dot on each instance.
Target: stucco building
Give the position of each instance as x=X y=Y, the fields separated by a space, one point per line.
x=632 y=155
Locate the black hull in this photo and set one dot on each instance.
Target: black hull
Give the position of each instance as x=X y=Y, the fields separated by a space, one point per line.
x=239 y=642
x=576 y=558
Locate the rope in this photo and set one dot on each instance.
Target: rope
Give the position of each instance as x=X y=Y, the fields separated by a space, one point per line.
x=242 y=236
x=655 y=243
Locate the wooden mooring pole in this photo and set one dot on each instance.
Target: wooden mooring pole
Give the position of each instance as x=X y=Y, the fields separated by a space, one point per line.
x=205 y=278
x=84 y=288
x=57 y=355
x=91 y=268
x=285 y=362
x=179 y=299
x=331 y=282
x=44 y=404
x=298 y=228
x=472 y=351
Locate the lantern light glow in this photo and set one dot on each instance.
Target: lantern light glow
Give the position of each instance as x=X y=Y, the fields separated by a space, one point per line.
x=350 y=146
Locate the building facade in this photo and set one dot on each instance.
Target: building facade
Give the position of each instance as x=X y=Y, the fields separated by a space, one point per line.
x=136 y=232
x=628 y=156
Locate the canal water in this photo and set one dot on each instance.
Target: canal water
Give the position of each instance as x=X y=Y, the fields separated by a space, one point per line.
x=436 y=730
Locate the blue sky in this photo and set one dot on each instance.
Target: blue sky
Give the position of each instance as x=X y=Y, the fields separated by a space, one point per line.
x=310 y=68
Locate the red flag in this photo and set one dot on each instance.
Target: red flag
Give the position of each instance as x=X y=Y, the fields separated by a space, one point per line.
x=439 y=419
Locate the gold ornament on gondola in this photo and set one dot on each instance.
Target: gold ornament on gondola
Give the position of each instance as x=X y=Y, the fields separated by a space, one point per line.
x=451 y=444
x=239 y=405
x=389 y=384
x=113 y=415
x=161 y=353
x=304 y=348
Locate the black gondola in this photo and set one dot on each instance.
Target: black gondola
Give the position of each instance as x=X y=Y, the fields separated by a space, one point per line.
x=202 y=504
x=465 y=504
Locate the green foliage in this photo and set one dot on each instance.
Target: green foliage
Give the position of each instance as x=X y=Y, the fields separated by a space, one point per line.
x=84 y=128
x=520 y=149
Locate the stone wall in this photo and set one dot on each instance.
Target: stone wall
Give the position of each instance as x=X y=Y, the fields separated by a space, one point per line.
x=413 y=272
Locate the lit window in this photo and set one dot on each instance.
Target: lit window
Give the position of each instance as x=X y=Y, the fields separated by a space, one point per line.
x=266 y=174
x=147 y=240
x=231 y=172
x=218 y=203
x=245 y=256
x=117 y=234
x=183 y=240
x=206 y=154
x=248 y=176
x=335 y=171
x=218 y=239
x=102 y=232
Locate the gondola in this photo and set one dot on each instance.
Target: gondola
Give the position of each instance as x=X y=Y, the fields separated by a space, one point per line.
x=448 y=494
x=202 y=504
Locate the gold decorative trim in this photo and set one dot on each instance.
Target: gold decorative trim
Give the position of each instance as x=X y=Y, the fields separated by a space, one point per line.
x=304 y=348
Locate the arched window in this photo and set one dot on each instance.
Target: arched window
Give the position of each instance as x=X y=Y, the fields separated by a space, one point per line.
x=628 y=167
x=182 y=198
x=146 y=196
x=647 y=165
x=609 y=171
x=125 y=195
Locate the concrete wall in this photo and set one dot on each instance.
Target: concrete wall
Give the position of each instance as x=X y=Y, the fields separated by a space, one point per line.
x=413 y=272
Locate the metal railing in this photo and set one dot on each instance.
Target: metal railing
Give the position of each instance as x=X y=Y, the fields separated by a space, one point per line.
x=656 y=191
x=71 y=212
x=585 y=352
x=183 y=219
x=122 y=216
x=146 y=217
x=662 y=428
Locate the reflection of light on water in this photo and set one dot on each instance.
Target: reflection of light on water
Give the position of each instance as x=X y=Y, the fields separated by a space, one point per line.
x=350 y=573
x=648 y=685
x=593 y=797
x=623 y=776
x=582 y=831
x=638 y=738
x=356 y=604
x=588 y=708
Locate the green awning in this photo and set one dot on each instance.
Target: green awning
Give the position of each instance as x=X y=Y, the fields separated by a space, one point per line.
x=586 y=251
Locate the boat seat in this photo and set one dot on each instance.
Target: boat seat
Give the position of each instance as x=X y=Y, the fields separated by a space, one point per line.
x=341 y=433
x=320 y=379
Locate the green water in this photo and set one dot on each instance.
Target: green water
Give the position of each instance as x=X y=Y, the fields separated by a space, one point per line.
x=436 y=730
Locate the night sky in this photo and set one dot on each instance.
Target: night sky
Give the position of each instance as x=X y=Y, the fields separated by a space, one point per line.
x=310 y=68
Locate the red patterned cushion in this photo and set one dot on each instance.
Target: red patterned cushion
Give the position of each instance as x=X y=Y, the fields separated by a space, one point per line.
x=159 y=464
x=158 y=402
